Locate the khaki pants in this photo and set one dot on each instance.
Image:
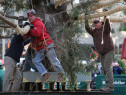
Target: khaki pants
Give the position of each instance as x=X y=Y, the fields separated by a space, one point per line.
x=12 y=77
x=106 y=61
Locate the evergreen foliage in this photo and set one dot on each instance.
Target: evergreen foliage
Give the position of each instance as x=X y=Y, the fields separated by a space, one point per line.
x=122 y=64
x=122 y=28
x=17 y=5
x=74 y=53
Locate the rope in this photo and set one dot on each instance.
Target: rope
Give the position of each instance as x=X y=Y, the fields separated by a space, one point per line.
x=31 y=4
x=50 y=18
x=102 y=42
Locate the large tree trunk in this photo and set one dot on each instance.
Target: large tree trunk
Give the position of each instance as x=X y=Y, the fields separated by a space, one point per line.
x=53 y=20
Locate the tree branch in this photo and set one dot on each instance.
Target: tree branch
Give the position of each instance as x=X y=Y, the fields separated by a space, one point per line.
x=113 y=19
x=5 y=26
x=7 y=21
x=2 y=37
x=117 y=9
x=12 y=17
x=103 y=4
x=119 y=19
x=59 y=2
x=1 y=0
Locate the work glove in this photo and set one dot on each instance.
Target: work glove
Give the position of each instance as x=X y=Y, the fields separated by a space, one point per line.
x=26 y=23
x=31 y=26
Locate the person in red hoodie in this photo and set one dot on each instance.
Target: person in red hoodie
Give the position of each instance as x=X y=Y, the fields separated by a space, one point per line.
x=43 y=46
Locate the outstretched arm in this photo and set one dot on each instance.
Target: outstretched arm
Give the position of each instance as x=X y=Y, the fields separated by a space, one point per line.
x=22 y=31
x=87 y=27
x=107 y=28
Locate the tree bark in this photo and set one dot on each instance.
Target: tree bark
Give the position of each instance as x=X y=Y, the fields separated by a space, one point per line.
x=53 y=18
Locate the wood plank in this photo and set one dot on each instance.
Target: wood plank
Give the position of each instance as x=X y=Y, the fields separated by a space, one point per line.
x=97 y=92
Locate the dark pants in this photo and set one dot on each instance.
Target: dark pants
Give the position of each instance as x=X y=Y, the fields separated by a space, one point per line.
x=106 y=61
x=28 y=63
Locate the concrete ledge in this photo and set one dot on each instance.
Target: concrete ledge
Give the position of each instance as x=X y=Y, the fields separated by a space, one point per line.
x=35 y=77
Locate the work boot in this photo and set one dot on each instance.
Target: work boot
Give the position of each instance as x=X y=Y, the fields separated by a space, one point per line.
x=46 y=77
x=60 y=77
x=107 y=89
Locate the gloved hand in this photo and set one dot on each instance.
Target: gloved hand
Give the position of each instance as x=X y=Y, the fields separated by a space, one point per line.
x=26 y=23
x=31 y=26
x=105 y=10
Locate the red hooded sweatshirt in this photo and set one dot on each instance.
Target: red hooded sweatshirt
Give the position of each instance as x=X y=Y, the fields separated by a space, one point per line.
x=123 y=51
x=39 y=34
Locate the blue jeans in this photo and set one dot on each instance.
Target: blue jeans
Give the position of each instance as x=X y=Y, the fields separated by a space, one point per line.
x=50 y=54
x=28 y=63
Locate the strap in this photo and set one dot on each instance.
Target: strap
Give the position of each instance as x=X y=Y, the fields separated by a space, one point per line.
x=44 y=43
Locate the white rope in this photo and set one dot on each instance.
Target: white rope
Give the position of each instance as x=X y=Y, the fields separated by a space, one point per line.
x=102 y=42
x=32 y=4
x=43 y=35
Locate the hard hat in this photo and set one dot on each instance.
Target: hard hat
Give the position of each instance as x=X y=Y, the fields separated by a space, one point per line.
x=31 y=11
